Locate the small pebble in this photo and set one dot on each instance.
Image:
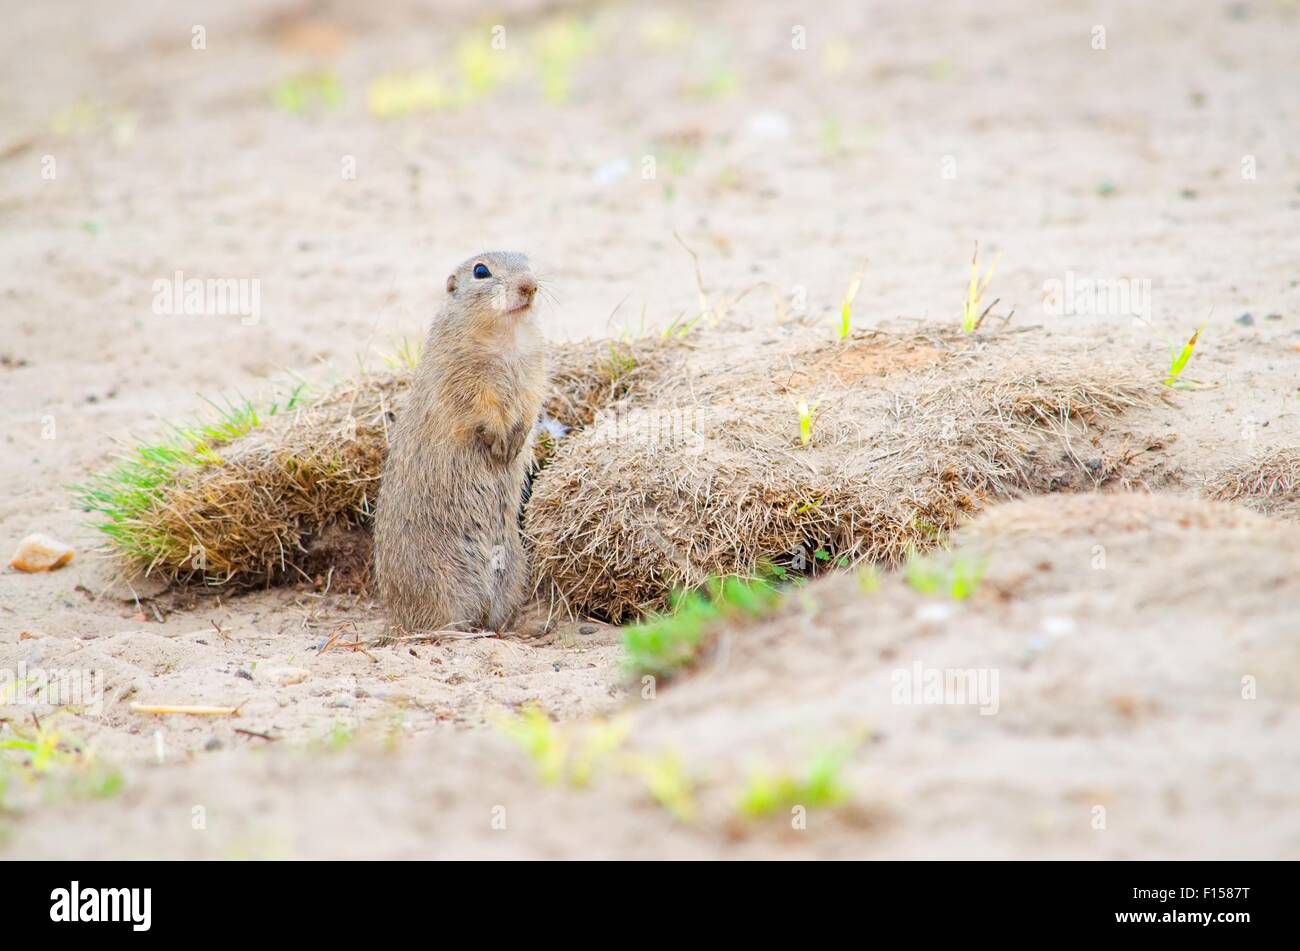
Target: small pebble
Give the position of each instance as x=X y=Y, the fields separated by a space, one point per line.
x=283 y=676
x=212 y=745
x=244 y=673
x=41 y=552
x=934 y=611
x=1246 y=320
x=586 y=629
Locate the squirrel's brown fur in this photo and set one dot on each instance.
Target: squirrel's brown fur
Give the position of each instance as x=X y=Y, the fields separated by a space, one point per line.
x=448 y=553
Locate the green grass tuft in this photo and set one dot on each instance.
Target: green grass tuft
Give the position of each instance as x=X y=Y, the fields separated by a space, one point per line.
x=957 y=578
x=818 y=786
x=62 y=766
x=663 y=643
x=125 y=493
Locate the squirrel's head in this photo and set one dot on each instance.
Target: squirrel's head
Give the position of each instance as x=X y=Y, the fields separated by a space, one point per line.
x=501 y=281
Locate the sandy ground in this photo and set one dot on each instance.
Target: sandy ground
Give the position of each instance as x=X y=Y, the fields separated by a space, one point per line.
x=899 y=136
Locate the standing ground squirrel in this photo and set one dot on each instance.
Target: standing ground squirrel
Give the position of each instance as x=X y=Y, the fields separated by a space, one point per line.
x=448 y=553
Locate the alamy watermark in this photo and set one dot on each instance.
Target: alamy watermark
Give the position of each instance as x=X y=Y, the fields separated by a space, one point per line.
x=209 y=297
x=36 y=686
x=655 y=429
x=1097 y=297
x=970 y=686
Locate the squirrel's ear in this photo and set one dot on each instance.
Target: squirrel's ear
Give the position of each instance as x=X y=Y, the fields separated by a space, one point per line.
x=451 y=283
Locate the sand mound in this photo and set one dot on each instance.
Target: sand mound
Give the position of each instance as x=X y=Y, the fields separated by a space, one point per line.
x=1091 y=515
x=910 y=433
x=1268 y=483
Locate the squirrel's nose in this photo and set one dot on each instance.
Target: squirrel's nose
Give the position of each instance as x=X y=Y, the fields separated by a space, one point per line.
x=528 y=286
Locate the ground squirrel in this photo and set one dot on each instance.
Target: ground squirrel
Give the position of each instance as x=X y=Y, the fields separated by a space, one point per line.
x=448 y=553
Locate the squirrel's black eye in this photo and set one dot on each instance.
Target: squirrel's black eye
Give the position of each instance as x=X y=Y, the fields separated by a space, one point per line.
x=481 y=271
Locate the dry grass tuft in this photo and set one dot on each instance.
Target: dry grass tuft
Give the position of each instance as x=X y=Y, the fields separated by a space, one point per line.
x=292 y=497
x=709 y=478
x=1268 y=483
x=689 y=460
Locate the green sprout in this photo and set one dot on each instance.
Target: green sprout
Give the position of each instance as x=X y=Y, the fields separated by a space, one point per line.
x=561 y=43
x=957 y=578
x=400 y=94
x=846 y=306
x=663 y=643
x=667 y=781
x=297 y=94
x=806 y=415
x=817 y=786
x=47 y=755
x=1178 y=360
x=555 y=750
x=540 y=739
x=405 y=356
x=481 y=67
x=972 y=316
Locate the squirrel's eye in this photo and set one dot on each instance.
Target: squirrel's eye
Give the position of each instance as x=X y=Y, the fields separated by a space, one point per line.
x=481 y=271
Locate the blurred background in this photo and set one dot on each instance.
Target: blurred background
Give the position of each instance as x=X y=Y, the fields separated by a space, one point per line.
x=348 y=156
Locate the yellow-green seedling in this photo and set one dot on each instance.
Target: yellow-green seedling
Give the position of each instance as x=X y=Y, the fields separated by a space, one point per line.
x=680 y=328
x=807 y=414
x=81 y=116
x=660 y=644
x=721 y=82
x=399 y=94
x=601 y=740
x=481 y=68
x=846 y=305
x=956 y=577
x=818 y=785
x=46 y=755
x=832 y=137
x=565 y=752
x=541 y=739
x=972 y=316
x=405 y=355
x=667 y=781
x=1178 y=359
x=561 y=43
x=339 y=738
x=300 y=93
x=622 y=361
x=868 y=579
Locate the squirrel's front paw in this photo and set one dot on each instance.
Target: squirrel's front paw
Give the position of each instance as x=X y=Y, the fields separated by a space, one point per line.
x=494 y=443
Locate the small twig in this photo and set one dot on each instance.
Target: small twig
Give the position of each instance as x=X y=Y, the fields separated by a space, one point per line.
x=195 y=711
x=260 y=736
x=435 y=637
x=359 y=646
x=699 y=277
x=981 y=317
